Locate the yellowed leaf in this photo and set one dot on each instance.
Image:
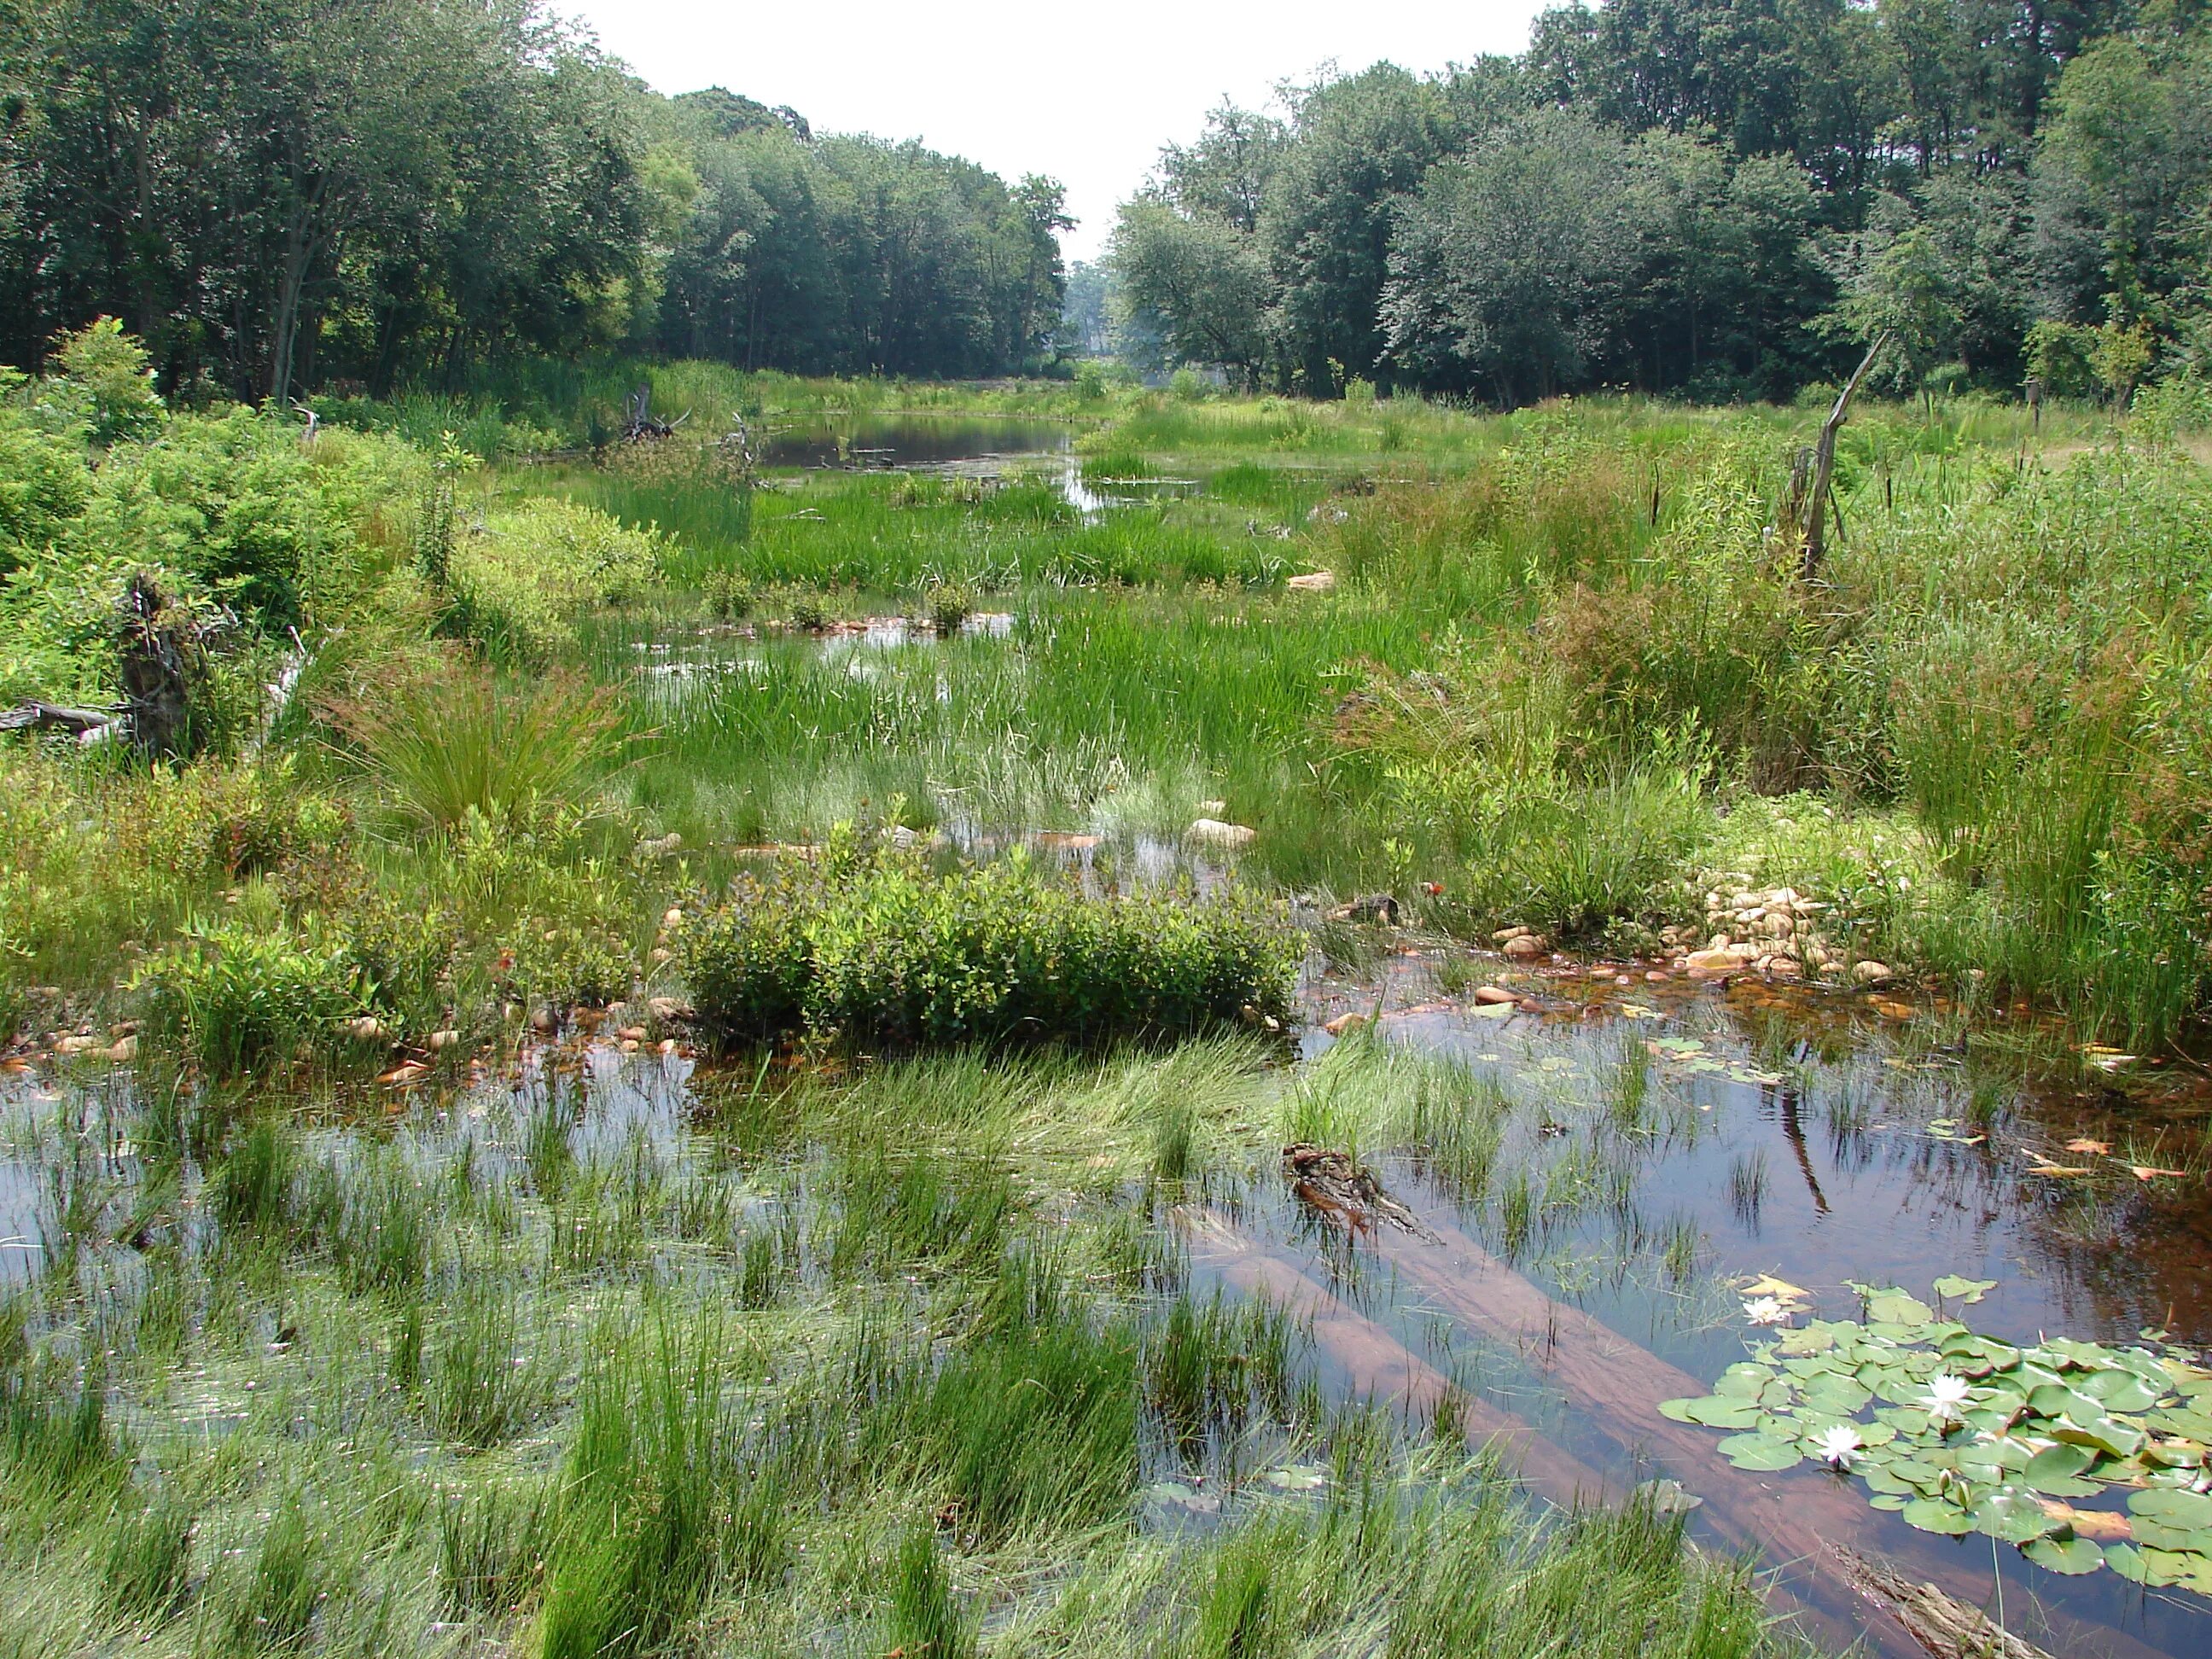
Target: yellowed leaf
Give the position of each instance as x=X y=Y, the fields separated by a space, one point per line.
x=1780 y=1289
x=2144 y=1172
x=2089 y=1523
x=2094 y=1148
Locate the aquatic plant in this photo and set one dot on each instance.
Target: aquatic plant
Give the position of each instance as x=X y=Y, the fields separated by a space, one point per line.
x=1959 y=1432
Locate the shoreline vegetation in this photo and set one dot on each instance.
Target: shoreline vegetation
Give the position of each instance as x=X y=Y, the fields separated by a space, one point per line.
x=501 y=788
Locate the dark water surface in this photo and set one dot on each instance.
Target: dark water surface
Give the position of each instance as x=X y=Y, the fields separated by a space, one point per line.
x=883 y=441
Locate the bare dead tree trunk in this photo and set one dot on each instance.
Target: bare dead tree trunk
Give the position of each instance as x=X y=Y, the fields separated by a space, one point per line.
x=159 y=654
x=1824 y=467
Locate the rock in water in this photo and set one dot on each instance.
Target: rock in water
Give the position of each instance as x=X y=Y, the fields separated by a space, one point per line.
x=1375 y=906
x=1215 y=833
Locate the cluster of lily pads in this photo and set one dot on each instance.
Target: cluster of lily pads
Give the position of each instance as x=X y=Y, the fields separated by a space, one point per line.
x=1959 y=1432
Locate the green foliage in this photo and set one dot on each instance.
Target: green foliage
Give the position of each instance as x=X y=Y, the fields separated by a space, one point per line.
x=238 y=997
x=523 y=580
x=107 y=378
x=465 y=743
x=1960 y=1432
x=890 y=955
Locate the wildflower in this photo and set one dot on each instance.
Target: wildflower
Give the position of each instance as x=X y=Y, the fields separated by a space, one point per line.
x=1946 y=1394
x=1766 y=1310
x=1839 y=1446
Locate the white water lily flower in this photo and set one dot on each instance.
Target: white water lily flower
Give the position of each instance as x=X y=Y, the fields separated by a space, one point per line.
x=1766 y=1310
x=1946 y=1394
x=1839 y=1446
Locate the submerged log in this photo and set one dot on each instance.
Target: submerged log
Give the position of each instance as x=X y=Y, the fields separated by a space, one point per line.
x=1798 y=1518
x=1948 y=1627
x=1379 y=1367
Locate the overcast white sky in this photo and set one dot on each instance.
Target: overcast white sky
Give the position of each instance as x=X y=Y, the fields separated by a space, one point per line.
x=1088 y=96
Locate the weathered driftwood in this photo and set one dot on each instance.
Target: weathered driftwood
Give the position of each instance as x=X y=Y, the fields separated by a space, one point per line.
x=1940 y=1622
x=638 y=421
x=54 y=717
x=1795 y=1518
x=1345 y=1194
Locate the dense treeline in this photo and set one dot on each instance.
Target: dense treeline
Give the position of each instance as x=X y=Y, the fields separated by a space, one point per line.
x=1725 y=198
x=278 y=194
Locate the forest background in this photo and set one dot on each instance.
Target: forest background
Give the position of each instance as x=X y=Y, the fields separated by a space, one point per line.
x=1711 y=200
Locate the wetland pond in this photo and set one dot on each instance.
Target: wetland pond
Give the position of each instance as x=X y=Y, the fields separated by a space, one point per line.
x=1600 y=1168
x=957 y=447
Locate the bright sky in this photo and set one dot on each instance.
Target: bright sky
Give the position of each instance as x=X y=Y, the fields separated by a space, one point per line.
x=1087 y=95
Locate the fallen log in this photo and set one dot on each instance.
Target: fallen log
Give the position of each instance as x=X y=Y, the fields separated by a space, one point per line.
x=54 y=717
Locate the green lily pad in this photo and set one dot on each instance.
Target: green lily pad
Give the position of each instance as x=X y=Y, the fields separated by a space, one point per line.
x=2067 y=1555
x=1951 y=1287
x=1931 y=1515
x=2179 y=1508
x=1712 y=1410
x=2011 y=1515
x=2121 y=1391
x=2056 y=1400
x=2104 y=1433
x=1843 y=1395
x=1743 y=1382
x=2190 y=1425
x=2127 y=1560
x=1896 y=1308
x=1763 y=1452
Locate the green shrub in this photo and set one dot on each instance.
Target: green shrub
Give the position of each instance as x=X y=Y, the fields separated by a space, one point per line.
x=523 y=578
x=982 y=955
x=949 y=605
x=108 y=380
x=236 y=996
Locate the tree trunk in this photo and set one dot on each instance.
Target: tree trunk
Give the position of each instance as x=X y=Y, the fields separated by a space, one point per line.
x=1824 y=467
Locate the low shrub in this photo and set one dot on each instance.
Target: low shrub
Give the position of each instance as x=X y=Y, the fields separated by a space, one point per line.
x=523 y=578
x=890 y=954
x=235 y=997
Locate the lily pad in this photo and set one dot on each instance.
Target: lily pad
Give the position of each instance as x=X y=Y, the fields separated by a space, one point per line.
x=1712 y=1412
x=1896 y=1308
x=1931 y=1515
x=1951 y=1287
x=1763 y=1452
x=2012 y=1515
x=2067 y=1555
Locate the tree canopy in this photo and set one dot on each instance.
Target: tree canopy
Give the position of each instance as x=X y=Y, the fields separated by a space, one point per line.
x=274 y=194
x=1723 y=197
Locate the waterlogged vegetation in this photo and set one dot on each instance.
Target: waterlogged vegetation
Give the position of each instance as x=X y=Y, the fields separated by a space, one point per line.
x=689 y=1046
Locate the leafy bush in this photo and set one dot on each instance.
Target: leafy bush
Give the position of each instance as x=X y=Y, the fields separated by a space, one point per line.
x=236 y=996
x=892 y=955
x=524 y=578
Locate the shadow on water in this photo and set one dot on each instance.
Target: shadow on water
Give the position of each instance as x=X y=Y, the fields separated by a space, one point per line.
x=890 y=442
